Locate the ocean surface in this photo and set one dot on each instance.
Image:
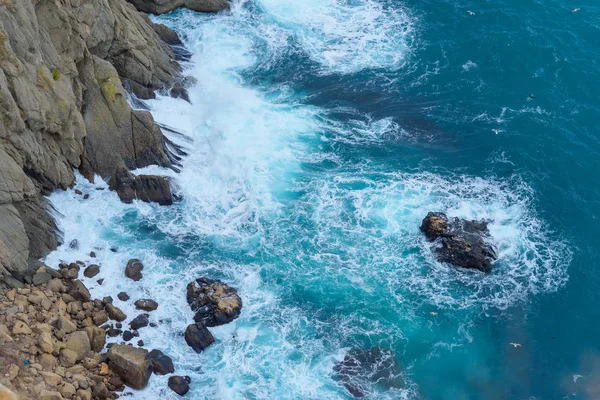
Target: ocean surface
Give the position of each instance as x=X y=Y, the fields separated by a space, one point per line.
x=319 y=134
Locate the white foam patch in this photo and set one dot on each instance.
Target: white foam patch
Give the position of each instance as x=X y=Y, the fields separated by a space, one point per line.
x=346 y=36
x=371 y=222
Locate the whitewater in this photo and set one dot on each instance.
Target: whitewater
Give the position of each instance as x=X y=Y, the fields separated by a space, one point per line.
x=290 y=199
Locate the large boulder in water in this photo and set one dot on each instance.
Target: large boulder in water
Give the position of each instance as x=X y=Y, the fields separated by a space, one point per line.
x=198 y=337
x=148 y=188
x=214 y=302
x=361 y=367
x=464 y=243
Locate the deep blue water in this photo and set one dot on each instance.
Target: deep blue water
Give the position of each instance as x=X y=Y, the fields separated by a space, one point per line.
x=320 y=134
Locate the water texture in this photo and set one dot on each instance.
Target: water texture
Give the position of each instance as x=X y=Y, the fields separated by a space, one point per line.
x=319 y=135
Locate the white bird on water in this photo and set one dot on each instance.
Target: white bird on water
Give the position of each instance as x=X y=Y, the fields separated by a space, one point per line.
x=515 y=344
x=470 y=12
x=433 y=313
x=497 y=131
x=575 y=10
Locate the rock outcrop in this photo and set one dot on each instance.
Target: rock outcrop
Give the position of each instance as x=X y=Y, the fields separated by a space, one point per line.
x=214 y=302
x=463 y=243
x=148 y=188
x=361 y=367
x=165 y=6
x=63 y=69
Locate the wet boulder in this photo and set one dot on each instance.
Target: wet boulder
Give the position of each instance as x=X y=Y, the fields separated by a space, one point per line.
x=146 y=304
x=91 y=271
x=138 y=322
x=161 y=363
x=198 y=337
x=148 y=188
x=133 y=271
x=214 y=302
x=362 y=368
x=180 y=384
x=462 y=242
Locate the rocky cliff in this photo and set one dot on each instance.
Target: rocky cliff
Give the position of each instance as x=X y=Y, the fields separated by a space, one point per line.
x=63 y=68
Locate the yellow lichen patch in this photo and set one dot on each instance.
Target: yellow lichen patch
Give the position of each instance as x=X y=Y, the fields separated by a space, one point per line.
x=9 y=4
x=110 y=91
x=42 y=81
x=3 y=51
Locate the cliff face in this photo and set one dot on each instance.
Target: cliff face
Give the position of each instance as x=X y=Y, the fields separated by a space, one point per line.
x=63 y=64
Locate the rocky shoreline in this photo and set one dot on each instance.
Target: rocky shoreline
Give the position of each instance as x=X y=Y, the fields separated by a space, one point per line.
x=66 y=69
x=53 y=335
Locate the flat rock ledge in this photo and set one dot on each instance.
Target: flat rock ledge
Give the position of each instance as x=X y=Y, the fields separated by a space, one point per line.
x=164 y=6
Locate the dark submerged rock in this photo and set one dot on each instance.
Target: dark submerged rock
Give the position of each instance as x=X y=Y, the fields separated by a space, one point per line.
x=133 y=270
x=180 y=384
x=464 y=243
x=161 y=363
x=139 y=322
x=128 y=335
x=363 y=366
x=214 y=302
x=123 y=296
x=198 y=337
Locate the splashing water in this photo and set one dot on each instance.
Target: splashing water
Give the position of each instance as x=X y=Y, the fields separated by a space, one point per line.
x=323 y=247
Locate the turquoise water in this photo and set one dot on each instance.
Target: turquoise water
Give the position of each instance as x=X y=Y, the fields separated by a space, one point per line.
x=319 y=135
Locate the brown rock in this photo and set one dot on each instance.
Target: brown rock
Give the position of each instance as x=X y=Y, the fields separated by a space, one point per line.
x=131 y=364
x=84 y=394
x=47 y=361
x=97 y=337
x=79 y=291
x=180 y=384
x=91 y=271
x=51 y=378
x=67 y=390
x=214 y=302
x=100 y=317
x=78 y=342
x=21 y=328
x=45 y=342
x=104 y=370
x=198 y=337
x=64 y=326
x=67 y=358
x=133 y=270
x=49 y=395
x=115 y=313
x=13 y=372
x=146 y=304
